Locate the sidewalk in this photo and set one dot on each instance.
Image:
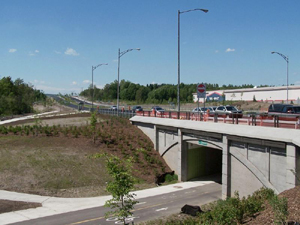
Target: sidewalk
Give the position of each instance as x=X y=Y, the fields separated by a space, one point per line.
x=52 y=205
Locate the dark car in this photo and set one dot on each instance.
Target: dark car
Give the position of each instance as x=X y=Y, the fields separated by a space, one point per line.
x=284 y=108
x=229 y=110
x=137 y=108
x=157 y=109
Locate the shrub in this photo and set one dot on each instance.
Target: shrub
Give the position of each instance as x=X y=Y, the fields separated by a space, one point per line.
x=280 y=209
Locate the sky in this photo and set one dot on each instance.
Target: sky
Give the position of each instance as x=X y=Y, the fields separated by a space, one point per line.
x=53 y=44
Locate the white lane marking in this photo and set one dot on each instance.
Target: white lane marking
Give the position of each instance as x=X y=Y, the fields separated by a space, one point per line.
x=141 y=203
x=161 y=209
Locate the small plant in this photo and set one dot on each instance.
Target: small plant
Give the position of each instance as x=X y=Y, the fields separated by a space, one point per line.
x=122 y=183
x=93 y=121
x=280 y=209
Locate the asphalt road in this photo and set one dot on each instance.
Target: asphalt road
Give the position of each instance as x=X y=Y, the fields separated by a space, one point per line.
x=147 y=209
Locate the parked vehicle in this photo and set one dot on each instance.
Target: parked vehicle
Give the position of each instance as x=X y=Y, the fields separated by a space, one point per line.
x=137 y=108
x=229 y=110
x=157 y=109
x=212 y=108
x=200 y=109
x=114 y=107
x=284 y=108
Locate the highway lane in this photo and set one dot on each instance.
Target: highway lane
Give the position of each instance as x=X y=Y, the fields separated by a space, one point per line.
x=147 y=209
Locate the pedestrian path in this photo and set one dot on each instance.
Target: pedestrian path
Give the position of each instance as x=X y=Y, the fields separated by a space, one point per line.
x=53 y=205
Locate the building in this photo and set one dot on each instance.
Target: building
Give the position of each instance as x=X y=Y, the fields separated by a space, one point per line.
x=265 y=94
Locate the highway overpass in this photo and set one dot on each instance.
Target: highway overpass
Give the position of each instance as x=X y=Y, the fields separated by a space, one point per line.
x=245 y=157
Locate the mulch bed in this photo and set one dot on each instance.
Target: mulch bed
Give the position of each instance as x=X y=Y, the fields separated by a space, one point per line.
x=267 y=216
x=9 y=206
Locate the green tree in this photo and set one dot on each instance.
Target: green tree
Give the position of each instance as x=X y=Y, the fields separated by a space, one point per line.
x=122 y=202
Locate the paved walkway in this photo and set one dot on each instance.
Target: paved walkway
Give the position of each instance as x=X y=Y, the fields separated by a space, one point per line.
x=52 y=205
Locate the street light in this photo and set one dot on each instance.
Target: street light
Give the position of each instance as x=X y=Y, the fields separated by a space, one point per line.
x=178 y=88
x=120 y=54
x=93 y=68
x=286 y=58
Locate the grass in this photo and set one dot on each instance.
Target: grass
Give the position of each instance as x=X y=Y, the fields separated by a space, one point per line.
x=56 y=159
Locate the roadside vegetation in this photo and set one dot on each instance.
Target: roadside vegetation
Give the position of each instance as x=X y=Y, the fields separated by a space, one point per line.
x=17 y=97
x=263 y=207
x=152 y=93
x=56 y=159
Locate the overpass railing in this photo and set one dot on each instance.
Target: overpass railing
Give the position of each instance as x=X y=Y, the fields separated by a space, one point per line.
x=251 y=119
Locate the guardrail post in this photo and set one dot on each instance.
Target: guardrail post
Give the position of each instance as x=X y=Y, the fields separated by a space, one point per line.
x=215 y=117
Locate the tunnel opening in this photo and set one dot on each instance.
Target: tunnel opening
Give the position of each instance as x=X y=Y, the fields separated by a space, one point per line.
x=204 y=163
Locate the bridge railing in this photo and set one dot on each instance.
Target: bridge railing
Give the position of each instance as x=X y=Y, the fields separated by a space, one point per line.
x=251 y=119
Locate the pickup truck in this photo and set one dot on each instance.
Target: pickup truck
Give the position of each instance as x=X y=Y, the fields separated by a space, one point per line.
x=284 y=108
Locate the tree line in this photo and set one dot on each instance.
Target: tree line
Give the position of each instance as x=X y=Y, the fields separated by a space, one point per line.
x=151 y=93
x=17 y=97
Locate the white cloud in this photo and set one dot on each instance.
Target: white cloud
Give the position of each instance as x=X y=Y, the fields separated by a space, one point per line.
x=57 y=52
x=217 y=51
x=230 y=50
x=71 y=51
x=36 y=51
x=74 y=83
x=86 y=82
x=39 y=82
x=12 y=50
x=55 y=90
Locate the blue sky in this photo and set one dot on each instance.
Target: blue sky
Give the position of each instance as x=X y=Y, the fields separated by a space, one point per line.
x=53 y=44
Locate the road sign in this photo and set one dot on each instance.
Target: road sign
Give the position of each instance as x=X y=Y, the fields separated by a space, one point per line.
x=201 y=90
x=202 y=143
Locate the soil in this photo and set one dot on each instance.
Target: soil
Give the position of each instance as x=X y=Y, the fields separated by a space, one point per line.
x=9 y=206
x=60 y=164
x=293 y=198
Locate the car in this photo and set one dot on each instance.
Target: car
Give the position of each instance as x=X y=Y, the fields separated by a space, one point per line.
x=137 y=108
x=200 y=109
x=229 y=110
x=114 y=107
x=284 y=108
x=157 y=109
x=212 y=108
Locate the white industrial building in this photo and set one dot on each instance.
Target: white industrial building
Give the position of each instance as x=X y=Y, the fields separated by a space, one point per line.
x=266 y=94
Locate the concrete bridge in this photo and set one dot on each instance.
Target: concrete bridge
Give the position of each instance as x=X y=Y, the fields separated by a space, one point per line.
x=245 y=158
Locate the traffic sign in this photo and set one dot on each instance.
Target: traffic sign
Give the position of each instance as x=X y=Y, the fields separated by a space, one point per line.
x=201 y=90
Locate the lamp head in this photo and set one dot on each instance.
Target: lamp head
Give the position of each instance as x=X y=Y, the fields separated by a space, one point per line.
x=272 y=52
x=138 y=49
x=205 y=10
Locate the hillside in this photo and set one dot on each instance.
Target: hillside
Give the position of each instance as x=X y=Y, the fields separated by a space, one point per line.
x=53 y=156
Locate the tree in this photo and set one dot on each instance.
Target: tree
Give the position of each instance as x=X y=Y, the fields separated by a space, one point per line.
x=122 y=183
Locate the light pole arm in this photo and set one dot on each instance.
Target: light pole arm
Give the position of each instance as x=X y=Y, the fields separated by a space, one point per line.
x=128 y=50
x=190 y=10
x=286 y=58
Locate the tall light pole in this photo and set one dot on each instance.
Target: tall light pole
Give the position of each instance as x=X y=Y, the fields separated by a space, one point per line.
x=93 y=68
x=120 y=54
x=178 y=85
x=286 y=58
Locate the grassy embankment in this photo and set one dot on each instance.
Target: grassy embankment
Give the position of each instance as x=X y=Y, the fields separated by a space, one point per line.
x=55 y=159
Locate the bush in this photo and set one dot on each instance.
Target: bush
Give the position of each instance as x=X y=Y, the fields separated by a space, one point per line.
x=234 y=210
x=170 y=178
x=280 y=209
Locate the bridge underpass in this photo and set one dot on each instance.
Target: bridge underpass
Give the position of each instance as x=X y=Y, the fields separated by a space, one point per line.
x=203 y=163
x=248 y=157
